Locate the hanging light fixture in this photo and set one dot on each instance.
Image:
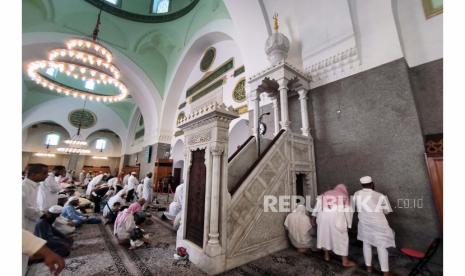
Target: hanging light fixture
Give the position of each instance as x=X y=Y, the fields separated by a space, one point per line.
x=77 y=144
x=84 y=60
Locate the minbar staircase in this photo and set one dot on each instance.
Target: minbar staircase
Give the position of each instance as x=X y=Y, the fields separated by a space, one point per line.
x=251 y=232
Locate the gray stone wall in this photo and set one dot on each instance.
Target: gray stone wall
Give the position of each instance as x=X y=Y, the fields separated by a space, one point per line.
x=377 y=133
x=426 y=80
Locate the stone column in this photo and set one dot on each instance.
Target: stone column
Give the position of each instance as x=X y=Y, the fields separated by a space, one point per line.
x=276 y=114
x=304 y=111
x=213 y=242
x=285 y=123
x=256 y=107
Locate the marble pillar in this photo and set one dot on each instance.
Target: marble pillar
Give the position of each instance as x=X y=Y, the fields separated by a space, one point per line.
x=285 y=123
x=276 y=114
x=304 y=111
x=255 y=97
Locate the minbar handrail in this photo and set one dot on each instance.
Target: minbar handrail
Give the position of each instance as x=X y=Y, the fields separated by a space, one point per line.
x=241 y=147
x=254 y=165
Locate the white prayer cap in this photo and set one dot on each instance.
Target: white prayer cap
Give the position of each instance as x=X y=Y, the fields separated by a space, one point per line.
x=366 y=180
x=62 y=196
x=73 y=198
x=134 y=173
x=55 y=209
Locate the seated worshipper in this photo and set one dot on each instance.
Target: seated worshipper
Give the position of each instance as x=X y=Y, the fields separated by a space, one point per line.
x=70 y=212
x=56 y=240
x=373 y=227
x=147 y=190
x=112 y=212
x=298 y=226
x=137 y=237
x=47 y=193
x=333 y=216
x=30 y=185
x=119 y=197
x=124 y=222
x=130 y=188
x=175 y=206
x=62 y=224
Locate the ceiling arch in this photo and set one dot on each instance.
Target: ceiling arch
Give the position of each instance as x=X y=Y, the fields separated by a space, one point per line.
x=141 y=88
x=214 y=32
x=48 y=110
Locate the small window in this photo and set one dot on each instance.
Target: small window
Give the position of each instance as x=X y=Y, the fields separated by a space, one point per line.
x=113 y=2
x=52 y=139
x=160 y=6
x=100 y=144
x=89 y=84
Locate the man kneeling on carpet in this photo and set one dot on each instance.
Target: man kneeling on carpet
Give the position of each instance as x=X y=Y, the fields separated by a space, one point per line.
x=56 y=240
x=124 y=223
x=70 y=212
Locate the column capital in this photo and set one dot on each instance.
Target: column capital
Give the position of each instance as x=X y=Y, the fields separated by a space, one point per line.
x=282 y=83
x=217 y=150
x=302 y=94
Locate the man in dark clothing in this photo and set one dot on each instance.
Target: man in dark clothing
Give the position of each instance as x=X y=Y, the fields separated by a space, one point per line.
x=56 y=241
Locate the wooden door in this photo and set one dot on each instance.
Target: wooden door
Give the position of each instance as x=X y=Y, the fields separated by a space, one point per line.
x=434 y=163
x=196 y=198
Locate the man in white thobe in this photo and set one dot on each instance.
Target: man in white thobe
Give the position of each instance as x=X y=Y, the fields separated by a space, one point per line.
x=126 y=179
x=175 y=207
x=334 y=216
x=47 y=194
x=82 y=175
x=373 y=227
x=130 y=188
x=94 y=182
x=31 y=213
x=147 y=190
x=298 y=226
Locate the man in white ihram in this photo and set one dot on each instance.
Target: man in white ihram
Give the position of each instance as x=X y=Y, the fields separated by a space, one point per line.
x=373 y=227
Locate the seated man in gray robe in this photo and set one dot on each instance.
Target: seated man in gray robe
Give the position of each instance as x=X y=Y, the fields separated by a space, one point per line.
x=56 y=241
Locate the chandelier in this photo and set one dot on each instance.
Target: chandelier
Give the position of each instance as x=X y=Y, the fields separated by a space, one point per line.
x=83 y=60
x=77 y=144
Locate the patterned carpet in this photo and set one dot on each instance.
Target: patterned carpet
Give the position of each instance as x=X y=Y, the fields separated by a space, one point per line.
x=96 y=252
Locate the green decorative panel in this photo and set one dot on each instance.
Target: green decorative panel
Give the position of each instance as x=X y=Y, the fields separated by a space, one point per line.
x=239 y=71
x=145 y=18
x=225 y=67
x=239 y=91
x=181 y=106
x=207 y=59
x=139 y=134
x=207 y=90
x=178 y=133
x=84 y=117
x=181 y=116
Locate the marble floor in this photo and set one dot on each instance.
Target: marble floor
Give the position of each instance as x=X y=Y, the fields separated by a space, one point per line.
x=96 y=252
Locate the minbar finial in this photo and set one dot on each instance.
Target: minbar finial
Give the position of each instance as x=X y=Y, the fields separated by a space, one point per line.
x=276 y=22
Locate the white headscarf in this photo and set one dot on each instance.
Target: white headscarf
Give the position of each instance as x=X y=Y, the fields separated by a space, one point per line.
x=298 y=224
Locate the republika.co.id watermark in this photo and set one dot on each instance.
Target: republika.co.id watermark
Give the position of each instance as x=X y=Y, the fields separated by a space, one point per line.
x=288 y=203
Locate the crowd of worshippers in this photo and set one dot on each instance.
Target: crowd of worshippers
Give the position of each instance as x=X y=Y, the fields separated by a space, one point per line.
x=53 y=207
x=332 y=217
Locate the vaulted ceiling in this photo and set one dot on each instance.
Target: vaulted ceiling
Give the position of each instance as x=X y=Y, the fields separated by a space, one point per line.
x=154 y=48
